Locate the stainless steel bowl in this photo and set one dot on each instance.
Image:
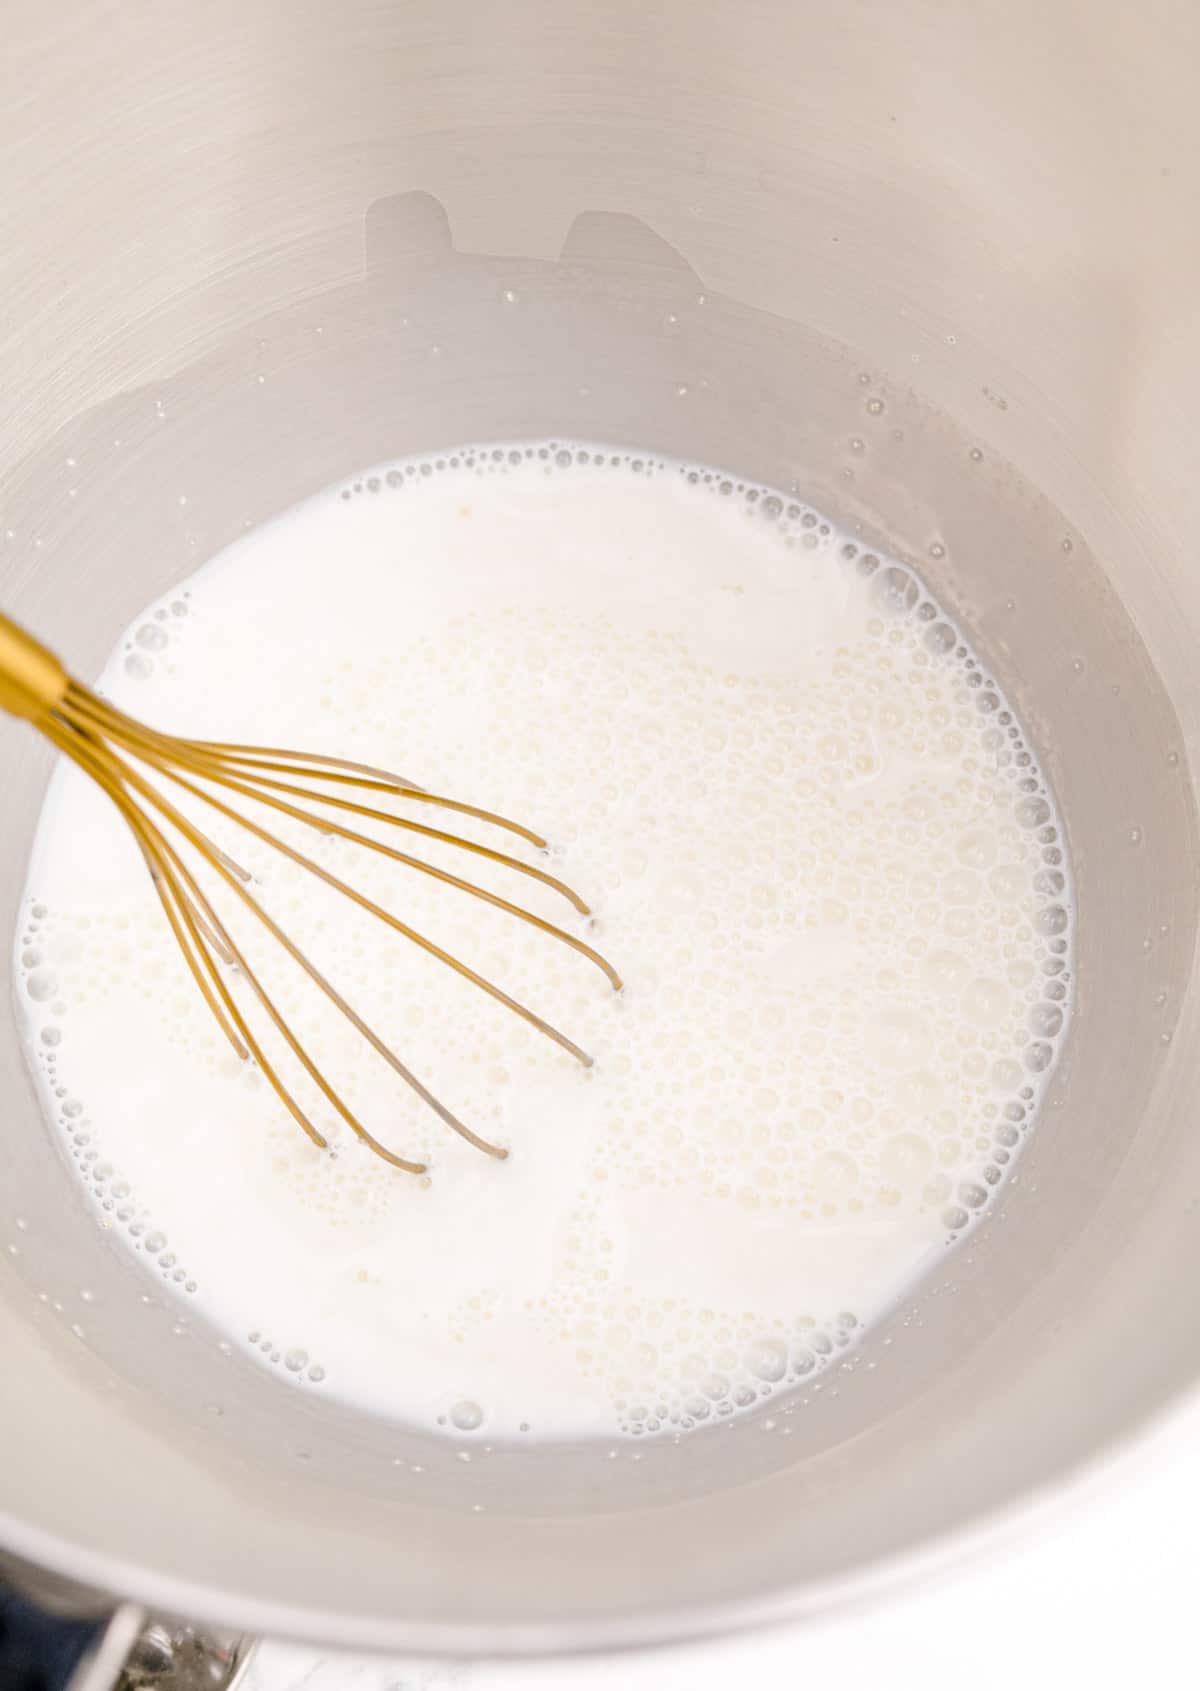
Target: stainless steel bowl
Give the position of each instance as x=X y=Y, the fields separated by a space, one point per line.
x=252 y=245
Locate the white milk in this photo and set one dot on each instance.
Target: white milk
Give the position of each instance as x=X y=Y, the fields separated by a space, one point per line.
x=818 y=850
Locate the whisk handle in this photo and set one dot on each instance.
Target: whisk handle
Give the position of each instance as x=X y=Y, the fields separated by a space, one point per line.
x=32 y=681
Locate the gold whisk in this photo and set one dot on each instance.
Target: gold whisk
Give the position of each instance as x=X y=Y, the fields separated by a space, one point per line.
x=128 y=760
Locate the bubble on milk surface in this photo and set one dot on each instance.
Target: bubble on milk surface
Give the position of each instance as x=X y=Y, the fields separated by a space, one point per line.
x=839 y=991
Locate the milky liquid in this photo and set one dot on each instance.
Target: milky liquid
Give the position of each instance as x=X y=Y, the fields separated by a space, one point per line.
x=818 y=848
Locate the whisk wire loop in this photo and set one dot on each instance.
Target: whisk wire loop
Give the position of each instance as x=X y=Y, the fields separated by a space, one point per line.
x=136 y=765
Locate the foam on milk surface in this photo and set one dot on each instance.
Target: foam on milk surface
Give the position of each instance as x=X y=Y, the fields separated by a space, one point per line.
x=818 y=848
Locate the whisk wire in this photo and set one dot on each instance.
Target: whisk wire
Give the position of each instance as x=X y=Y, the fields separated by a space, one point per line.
x=108 y=773
x=162 y=750
x=102 y=740
x=320 y=768
x=114 y=771
x=154 y=797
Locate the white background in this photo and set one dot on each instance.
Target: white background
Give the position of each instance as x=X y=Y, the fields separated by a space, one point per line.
x=1097 y=1589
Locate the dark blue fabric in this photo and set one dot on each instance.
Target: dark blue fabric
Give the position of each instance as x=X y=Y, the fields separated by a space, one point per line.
x=39 y=1652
